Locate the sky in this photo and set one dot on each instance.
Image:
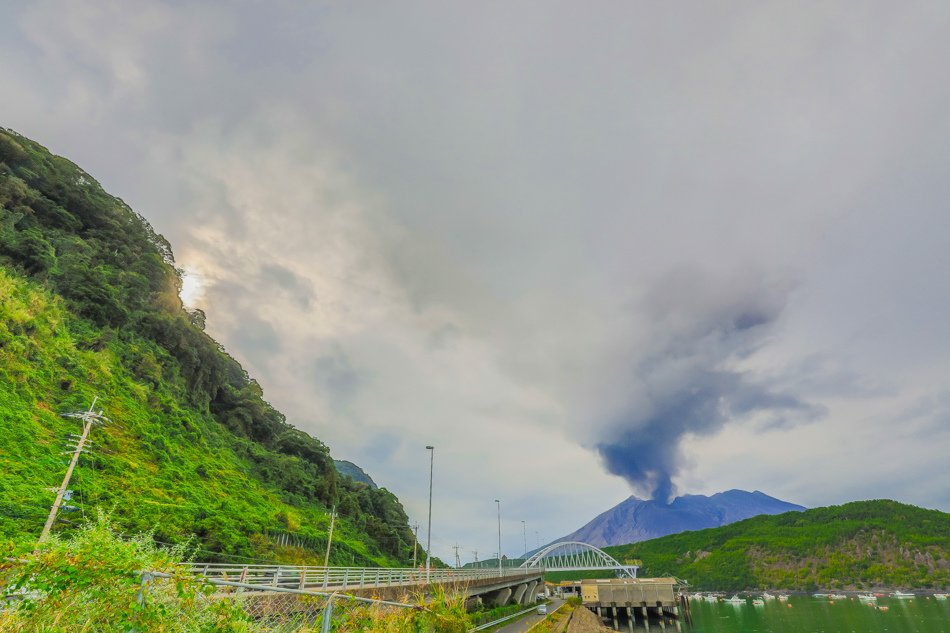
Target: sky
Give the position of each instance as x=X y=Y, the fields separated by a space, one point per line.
x=584 y=251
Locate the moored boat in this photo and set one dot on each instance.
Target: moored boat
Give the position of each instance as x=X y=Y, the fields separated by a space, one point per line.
x=867 y=597
x=940 y=596
x=736 y=600
x=758 y=602
x=900 y=595
x=782 y=597
x=767 y=596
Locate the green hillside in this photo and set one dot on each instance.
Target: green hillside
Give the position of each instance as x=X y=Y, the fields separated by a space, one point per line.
x=858 y=545
x=89 y=306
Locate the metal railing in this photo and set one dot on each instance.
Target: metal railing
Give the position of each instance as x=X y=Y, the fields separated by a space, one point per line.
x=343 y=578
x=299 y=610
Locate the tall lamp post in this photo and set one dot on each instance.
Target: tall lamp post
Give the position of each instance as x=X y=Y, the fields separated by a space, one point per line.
x=431 y=450
x=524 y=535
x=498 y=503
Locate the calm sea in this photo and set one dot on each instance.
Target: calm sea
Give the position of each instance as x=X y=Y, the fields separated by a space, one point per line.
x=807 y=614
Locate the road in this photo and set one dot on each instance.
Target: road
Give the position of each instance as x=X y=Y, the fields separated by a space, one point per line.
x=525 y=623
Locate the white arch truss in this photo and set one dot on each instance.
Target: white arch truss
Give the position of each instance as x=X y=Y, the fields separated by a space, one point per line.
x=576 y=556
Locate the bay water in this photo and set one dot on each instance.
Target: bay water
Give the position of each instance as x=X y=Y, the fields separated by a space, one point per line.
x=809 y=614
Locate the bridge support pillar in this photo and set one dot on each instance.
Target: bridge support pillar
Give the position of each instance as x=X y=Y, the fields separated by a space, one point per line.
x=531 y=595
x=500 y=598
x=520 y=591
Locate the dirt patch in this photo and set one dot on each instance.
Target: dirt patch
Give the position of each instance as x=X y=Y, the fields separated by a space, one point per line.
x=584 y=620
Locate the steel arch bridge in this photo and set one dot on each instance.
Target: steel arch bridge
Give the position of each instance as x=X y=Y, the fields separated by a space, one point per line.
x=577 y=556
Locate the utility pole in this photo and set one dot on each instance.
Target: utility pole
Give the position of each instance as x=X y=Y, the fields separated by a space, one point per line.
x=88 y=418
x=326 y=559
x=524 y=535
x=458 y=562
x=415 y=543
x=475 y=554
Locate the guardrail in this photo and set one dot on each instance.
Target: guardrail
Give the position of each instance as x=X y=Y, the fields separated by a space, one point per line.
x=301 y=613
x=341 y=578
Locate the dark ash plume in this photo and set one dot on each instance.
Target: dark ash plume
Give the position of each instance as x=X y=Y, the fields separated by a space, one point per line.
x=702 y=326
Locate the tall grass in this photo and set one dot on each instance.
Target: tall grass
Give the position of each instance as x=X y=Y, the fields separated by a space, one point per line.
x=92 y=581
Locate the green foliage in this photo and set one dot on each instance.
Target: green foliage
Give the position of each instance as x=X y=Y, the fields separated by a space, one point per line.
x=93 y=581
x=440 y=613
x=860 y=545
x=89 y=305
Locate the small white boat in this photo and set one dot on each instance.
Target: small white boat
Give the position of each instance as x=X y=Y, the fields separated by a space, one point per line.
x=767 y=596
x=940 y=596
x=782 y=597
x=867 y=597
x=758 y=602
x=900 y=595
x=838 y=596
x=736 y=600
x=711 y=598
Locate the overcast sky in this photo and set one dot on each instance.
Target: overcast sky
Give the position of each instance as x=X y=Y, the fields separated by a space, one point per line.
x=586 y=251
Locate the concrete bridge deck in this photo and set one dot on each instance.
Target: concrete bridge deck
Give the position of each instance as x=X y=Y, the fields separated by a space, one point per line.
x=497 y=587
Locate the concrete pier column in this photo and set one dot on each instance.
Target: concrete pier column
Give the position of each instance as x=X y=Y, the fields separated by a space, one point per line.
x=613 y=615
x=500 y=597
x=646 y=617
x=631 y=617
x=530 y=596
x=519 y=593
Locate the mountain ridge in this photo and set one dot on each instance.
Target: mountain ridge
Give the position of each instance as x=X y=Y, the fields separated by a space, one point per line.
x=635 y=519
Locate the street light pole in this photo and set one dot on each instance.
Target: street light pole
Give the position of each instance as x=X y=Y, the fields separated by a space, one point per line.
x=524 y=535
x=431 y=450
x=500 y=573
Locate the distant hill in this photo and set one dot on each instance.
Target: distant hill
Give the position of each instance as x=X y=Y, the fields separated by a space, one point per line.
x=354 y=472
x=859 y=545
x=636 y=519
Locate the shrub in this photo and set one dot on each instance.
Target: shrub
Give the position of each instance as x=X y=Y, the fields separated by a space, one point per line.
x=93 y=581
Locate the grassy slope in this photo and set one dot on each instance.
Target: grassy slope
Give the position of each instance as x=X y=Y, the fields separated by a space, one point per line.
x=89 y=305
x=163 y=464
x=857 y=545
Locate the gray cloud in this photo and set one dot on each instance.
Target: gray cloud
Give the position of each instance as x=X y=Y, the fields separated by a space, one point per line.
x=298 y=288
x=335 y=376
x=462 y=221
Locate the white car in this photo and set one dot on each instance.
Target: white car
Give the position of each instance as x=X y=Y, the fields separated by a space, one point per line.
x=542 y=609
